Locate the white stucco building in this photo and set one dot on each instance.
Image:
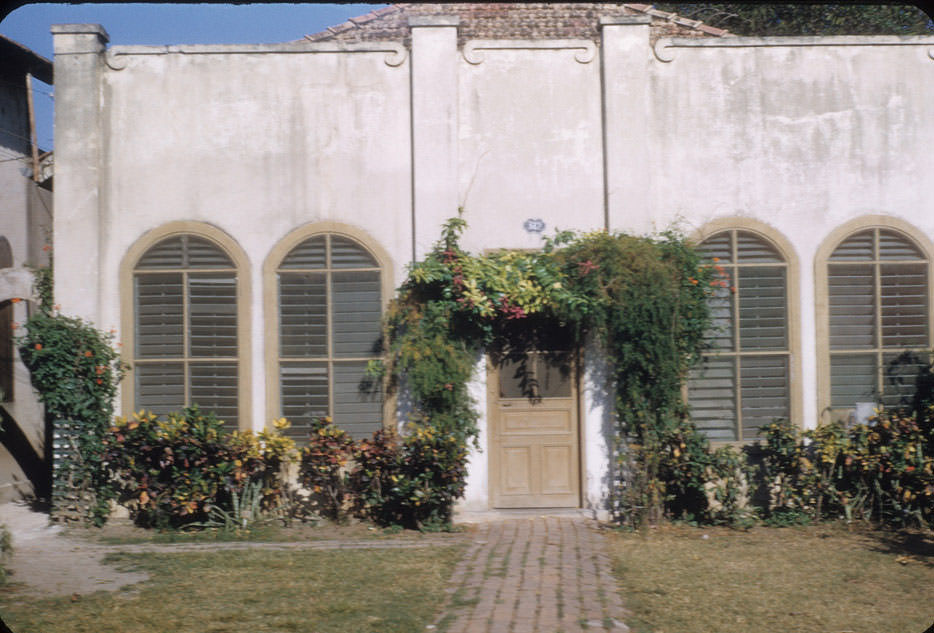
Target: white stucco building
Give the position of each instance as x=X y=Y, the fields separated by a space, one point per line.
x=239 y=214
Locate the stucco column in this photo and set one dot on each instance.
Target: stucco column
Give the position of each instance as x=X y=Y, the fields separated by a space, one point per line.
x=79 y=51
x=625 y=59
x=434 y=127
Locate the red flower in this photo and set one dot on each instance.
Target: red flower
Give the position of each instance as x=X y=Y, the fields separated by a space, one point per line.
x=38 y=347
x=88 y=354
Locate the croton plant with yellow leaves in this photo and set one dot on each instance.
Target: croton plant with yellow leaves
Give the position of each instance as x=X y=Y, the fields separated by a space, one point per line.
x=170 y=471
x=881 y=471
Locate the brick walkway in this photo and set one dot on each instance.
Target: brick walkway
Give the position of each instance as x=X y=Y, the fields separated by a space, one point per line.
x=534 y=575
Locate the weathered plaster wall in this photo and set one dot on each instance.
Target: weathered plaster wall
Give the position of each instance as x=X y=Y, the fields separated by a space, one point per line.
x=257 y=144
x=530 y=142
x=802 y=137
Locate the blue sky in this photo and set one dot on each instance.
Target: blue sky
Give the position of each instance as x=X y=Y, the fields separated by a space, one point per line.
x=137 y=23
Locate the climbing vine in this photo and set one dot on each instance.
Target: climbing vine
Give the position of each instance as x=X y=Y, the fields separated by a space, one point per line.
x=643 y=299
x=75 y=371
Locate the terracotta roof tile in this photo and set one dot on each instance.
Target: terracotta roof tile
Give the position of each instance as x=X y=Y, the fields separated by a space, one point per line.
x=512 y=20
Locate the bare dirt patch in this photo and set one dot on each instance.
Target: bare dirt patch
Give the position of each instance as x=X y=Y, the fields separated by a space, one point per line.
x=46 y=562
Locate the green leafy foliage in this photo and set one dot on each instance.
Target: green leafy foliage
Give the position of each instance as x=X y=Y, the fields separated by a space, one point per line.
x=325 y=468
x=173 y=472
x=807 y=19
x=642 y=298
x=411 y=480
x=76 y=370
x=882 y=471
x=72 y=365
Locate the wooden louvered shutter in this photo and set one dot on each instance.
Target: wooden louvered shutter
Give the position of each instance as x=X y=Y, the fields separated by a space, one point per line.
x=877 y=282
x=330 y=308
x=186 y=347
x=742 y=382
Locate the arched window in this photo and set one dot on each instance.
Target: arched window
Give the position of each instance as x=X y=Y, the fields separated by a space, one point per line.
x=329 y=294
x=743 y=380
x=878 y=317
x=185 y=329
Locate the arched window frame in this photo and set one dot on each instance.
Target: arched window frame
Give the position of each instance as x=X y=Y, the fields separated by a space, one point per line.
x=127 y=308
x=822 y=291
x=271 y=300
x=792 y=304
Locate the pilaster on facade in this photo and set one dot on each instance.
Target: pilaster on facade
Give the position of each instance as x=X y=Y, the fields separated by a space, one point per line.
x=626 y=89
x=434 y=117
x=79 y=52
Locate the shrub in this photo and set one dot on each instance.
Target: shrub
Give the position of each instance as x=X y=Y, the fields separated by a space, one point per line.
x=172 y=472
x=727 y=489
x=882 y=471
x=75 y=370
x=412 y=481
x=325 y=469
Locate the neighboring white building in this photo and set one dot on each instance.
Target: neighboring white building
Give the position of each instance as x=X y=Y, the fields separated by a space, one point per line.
x=240 y=213
x=25 y=226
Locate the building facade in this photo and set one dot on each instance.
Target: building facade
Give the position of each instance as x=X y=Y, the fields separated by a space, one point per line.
x=241 y=214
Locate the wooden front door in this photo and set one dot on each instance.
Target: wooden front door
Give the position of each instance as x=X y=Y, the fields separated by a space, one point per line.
x=535 y=447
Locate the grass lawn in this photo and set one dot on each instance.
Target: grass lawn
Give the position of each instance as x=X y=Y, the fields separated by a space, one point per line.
x=123 y=532
x=814 y=579
x=350 y=591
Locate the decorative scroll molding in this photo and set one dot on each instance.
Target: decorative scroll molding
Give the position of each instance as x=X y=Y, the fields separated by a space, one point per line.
x=585 y=50
x=664 y=47
x=117 y=57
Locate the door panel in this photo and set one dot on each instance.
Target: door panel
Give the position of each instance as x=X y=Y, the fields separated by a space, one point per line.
x=535 y=450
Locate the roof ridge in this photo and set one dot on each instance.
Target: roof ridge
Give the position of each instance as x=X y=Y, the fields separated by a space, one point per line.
x=648 y=9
